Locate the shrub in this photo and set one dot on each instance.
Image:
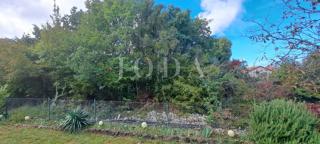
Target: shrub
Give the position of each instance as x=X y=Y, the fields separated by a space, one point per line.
x=281 y=121
x=4 y=93
x=314 y=108
x=75 y=121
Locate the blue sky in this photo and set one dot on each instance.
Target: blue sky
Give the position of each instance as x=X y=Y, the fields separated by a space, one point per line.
x=230 y=18
x=243 y=48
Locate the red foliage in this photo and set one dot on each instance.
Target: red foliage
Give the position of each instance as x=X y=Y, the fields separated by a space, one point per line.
x=314 y=108
x=267 y=90
x=234 y=64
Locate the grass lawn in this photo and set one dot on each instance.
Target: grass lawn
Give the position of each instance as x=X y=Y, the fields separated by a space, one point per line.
x=14 y=135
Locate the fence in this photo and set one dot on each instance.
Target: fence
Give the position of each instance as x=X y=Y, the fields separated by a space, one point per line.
x=112 y=111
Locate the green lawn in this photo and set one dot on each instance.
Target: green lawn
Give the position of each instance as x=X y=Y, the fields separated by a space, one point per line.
x=14 y=135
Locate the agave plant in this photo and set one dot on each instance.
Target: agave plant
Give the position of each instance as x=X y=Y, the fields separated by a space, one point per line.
x=75 y=121
x=206 y=132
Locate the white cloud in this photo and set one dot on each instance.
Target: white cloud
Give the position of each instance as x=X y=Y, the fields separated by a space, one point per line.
x=221 y=13
x=18 y=16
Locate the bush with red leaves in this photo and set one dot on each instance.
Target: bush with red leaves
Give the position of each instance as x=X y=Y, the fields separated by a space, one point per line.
x=314 y=108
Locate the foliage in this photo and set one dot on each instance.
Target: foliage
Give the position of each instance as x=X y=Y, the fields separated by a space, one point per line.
x=4 y=93
x=299 y=79
x=225 y=88
x=281 y=121
x=314 y=108
x=295 y=37
x=17 y=69
x=75 y=121
x=147 y=32
x=105 y=53
x=187 y=96
x=211 y=119
x=206 y=132
x=308 y=85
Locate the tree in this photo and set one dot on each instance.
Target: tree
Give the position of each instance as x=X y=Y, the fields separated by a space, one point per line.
x=107 y=51
x=17 y=69
x=141 y=30
x=297 y=34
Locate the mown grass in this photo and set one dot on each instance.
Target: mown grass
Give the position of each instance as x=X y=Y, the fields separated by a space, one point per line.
x=15 y=135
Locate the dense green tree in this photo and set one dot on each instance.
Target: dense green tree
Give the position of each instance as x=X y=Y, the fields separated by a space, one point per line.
x=141 y=30
x=17 y=69
x=125 y=49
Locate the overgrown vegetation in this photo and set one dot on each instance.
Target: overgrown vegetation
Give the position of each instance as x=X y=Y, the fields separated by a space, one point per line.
x=137 y=50
x=281 y=121
x=97 y=54
x=4 y=93
x=206 y=132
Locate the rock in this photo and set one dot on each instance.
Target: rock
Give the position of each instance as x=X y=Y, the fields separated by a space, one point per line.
x=152 y=116
x=27 y=118
x=231 y=133
x=144 y=125
x=218 y=130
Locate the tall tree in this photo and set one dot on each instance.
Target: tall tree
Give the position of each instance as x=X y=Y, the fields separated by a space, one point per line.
x=298 y=32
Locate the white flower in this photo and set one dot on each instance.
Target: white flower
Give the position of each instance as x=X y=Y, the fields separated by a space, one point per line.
x=100 y=123
x=231 y=133
x=27 y=118
x=144 y=125
x=1 y=116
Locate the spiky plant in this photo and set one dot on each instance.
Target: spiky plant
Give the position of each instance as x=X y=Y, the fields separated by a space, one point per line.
x=75 y=121
x=206 y=132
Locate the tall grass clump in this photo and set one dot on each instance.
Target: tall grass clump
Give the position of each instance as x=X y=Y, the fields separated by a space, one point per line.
x=282 y=122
